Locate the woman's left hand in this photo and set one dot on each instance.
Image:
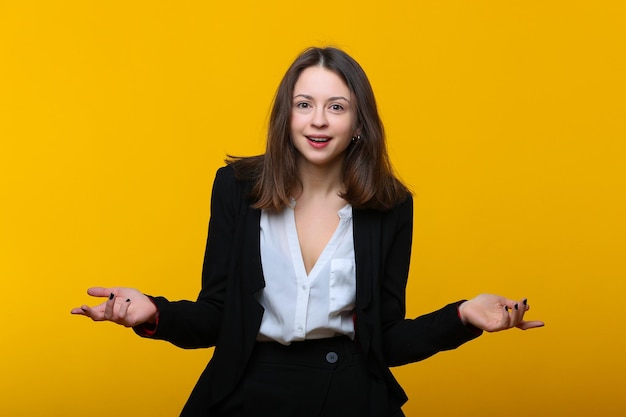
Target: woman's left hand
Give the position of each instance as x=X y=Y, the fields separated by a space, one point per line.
x=493 y=313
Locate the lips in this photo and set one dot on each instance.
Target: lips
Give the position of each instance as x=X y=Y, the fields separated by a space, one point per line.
x=318 y=139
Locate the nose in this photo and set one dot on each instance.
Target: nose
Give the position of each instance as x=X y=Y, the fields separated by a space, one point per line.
x=319 y=117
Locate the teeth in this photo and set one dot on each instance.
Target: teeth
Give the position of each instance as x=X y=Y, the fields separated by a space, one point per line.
x=318 y=140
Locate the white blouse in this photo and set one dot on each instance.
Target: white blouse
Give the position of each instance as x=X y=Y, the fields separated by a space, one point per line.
x=300 y=306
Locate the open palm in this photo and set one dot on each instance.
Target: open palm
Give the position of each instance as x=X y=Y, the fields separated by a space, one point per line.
x=125 y=306
x=493 y=313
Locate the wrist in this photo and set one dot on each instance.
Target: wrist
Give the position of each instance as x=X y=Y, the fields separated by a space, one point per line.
x=153 y=319
x=461 y=306
x=461 y=311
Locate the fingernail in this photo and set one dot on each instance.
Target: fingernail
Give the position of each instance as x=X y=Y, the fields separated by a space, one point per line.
x=516 y=307
x=506 y=308
x=525 y=301
x=128 y=300
x=111 y=296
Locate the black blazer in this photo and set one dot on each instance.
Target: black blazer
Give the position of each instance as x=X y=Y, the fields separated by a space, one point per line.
x=226 y=314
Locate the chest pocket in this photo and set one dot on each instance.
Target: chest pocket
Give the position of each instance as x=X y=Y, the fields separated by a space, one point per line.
x=342 y=286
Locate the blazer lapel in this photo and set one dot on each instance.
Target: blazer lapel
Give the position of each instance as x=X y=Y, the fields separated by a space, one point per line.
x=366 y=242
x=252 y=272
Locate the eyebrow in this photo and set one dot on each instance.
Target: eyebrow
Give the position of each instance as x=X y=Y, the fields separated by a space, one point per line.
x=308 y=97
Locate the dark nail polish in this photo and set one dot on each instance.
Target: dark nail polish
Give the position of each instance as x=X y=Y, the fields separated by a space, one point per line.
x=111 y=296
x=128 y=300
x=525 y=302
x=506 y=308
x=516 y=307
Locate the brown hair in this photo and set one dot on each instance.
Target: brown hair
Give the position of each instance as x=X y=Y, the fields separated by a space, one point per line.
x=368 y=178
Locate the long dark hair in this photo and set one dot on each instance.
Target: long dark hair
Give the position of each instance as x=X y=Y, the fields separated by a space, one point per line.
x=367 y=177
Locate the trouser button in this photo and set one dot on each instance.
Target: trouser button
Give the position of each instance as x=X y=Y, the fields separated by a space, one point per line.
x=332 y=357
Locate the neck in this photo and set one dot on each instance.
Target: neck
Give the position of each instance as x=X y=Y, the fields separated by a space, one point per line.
x=319 y=180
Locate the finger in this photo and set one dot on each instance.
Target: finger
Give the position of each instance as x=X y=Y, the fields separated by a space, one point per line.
x=77 y=310
x=509 y=304
x=513 y=308
x=525 y=325
x=517 y=312
x=507 y=318
x=109 y=307
x=123 y=310
x=521 y=323
x=96 y=314
x=524 y=307
x=83 y=311
x=99 y=291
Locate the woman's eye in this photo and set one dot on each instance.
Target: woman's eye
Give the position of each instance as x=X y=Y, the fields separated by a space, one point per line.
x=336 y=107
x=302 y=105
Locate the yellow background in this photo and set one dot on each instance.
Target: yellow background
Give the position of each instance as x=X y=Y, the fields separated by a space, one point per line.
x=507 y=118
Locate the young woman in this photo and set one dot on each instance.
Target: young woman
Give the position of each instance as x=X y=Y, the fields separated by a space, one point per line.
x=307 y=258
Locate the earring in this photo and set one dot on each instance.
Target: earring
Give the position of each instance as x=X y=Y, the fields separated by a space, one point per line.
x=356 y=139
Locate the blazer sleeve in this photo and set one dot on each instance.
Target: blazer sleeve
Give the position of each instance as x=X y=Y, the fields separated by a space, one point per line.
x=196 y=324
x=410 y=340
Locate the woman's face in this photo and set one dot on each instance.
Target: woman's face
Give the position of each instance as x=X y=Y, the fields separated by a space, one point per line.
x=322 y=117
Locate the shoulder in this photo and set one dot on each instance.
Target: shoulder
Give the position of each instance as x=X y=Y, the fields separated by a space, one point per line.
x=231 y=175
x=227 y=187
x=370 y=224
x=225 y=174
x=402 y=209
x=224 y=179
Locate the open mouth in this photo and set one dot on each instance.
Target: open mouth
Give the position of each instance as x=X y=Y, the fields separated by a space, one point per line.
x=318 y=139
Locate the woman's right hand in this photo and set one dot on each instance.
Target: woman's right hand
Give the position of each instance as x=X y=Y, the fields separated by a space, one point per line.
x=126 y=306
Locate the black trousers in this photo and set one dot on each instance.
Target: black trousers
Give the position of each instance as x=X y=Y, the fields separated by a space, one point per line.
x=313 y=378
